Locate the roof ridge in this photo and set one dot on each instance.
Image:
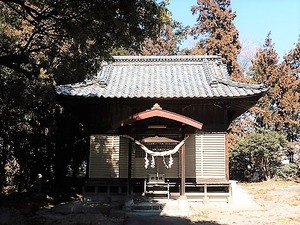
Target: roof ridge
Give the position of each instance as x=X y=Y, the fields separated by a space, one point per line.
x=163 y=59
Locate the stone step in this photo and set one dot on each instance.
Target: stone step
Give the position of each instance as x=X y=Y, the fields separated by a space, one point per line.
x=146 y=207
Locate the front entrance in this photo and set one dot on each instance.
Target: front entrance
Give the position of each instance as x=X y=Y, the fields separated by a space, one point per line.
x=157 y=121
x=153 y=155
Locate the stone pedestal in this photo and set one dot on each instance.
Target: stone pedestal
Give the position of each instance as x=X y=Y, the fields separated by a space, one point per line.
x=183 y=204
x=205 y=200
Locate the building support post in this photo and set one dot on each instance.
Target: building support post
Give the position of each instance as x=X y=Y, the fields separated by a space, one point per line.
x=183 y=204
x=129 y=180
x=182 y=186
x=226 y=143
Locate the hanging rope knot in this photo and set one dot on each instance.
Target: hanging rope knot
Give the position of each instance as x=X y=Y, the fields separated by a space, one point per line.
x=153 y=162
x=146 y=161
x=155 y=154
x=170 y=161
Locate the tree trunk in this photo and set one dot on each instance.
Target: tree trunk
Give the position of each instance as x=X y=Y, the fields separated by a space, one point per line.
x=3 y=160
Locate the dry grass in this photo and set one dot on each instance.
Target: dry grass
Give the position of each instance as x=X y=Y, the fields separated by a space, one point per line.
x=272 y=191
x=288 y=220
x=293 y=201
x=266 y=186
x=280 y=203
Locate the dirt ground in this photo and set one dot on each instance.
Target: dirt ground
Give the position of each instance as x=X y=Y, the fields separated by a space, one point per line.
x=279 y=203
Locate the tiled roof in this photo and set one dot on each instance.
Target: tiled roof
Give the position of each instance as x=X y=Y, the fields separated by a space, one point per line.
x=161 y=77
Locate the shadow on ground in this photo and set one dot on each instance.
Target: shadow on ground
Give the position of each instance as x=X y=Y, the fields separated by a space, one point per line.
x=77 y=214
x=88 y=213
x=158 y=220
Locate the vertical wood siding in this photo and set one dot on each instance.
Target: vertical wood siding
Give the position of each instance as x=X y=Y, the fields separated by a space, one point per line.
x=190 y=164
x=205 y=158
x=104 y=156
x=210 y=155
x=123 y=163
x=139 y=170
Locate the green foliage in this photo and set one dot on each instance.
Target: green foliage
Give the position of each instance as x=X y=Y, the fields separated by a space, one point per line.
x=70 y=38
x=287 y=172
x=168 y=41
x=48 y=42
x=257 y=156
x=37 y=137
x=26 y=113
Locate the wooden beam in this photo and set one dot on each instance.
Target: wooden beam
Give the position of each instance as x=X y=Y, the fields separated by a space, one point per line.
x=156 y=111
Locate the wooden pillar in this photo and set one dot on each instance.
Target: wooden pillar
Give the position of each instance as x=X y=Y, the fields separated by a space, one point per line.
x=129 y=180
x=182 y=186
x=226 y=124
x=226 y=158
x=87 y=175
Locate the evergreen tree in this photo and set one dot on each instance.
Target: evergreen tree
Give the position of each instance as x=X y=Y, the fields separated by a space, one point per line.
x=70 y=38
x=239 y=128
x=279 y=108
x=56 y=41
x=292 y=64
x=264 y=70
x=292 y=59
x=256 y=157
x=168 y=41
x=217 y=33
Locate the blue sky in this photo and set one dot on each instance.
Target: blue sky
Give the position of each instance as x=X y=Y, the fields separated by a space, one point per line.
x=255 y=18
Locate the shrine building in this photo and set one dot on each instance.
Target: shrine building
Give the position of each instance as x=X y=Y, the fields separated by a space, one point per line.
x=157 y=124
